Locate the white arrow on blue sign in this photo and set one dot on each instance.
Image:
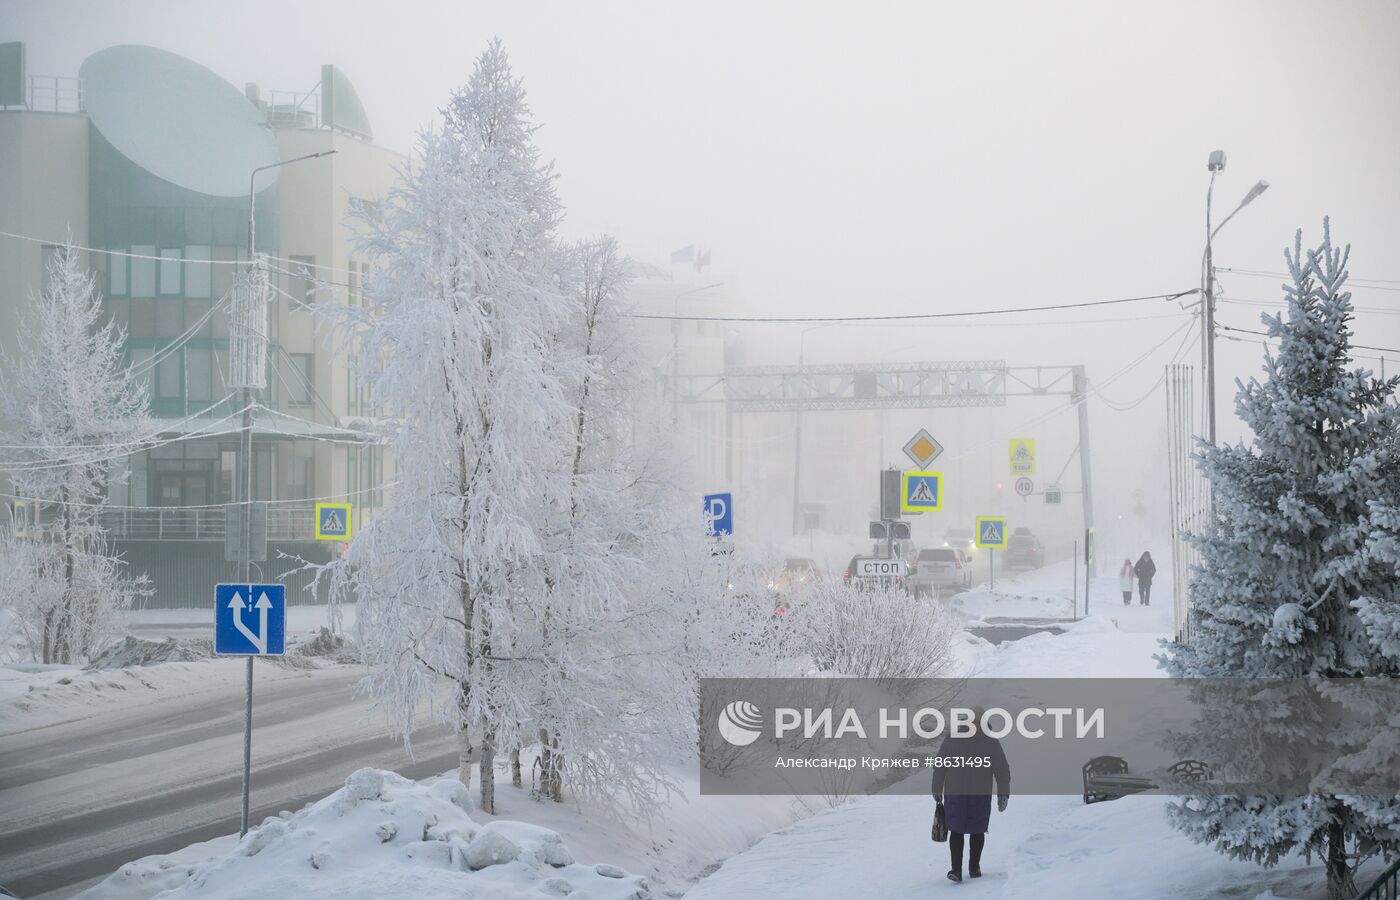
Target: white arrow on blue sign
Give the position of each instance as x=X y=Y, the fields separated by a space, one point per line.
x=719 y=514
x=250 y=619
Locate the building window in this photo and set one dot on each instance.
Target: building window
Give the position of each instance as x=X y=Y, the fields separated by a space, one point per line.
x=228 y=468
x=143 y=271
x=140 y=362
x=198 y=274
x=301 y=284
x=301 y=375
x=299 y=473
x=116 y=275
x=199 y=375
x=171 y=282
x=168 y=372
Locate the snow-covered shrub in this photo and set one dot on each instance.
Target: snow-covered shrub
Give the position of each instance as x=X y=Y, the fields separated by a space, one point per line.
x=883 y=633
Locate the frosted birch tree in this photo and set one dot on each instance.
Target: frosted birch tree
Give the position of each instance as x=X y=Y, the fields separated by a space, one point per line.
x=70 y=411
x=1289 y=587
x=456 y=343
x=612 y=708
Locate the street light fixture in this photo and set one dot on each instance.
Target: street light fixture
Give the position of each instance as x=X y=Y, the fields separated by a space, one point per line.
x=245 y=482
x=1215 y=164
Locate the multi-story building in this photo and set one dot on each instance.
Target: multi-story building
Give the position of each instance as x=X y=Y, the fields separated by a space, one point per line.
x=146 y=158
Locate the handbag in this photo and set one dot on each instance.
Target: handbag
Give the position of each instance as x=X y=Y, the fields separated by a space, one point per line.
x=940 y=824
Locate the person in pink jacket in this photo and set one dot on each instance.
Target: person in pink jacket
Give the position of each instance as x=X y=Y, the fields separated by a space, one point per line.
x=1125 y=581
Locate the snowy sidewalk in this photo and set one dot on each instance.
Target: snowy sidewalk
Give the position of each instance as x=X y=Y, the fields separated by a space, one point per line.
x=1041 y=848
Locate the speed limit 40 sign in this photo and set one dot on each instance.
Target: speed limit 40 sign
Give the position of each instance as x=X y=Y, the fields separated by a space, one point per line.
x=1024 y=486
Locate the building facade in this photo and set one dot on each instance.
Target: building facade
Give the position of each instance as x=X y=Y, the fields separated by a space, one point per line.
x=146 y=158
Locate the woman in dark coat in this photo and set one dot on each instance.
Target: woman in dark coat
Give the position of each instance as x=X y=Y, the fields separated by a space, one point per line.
x=1144 y=570
x=966 y=795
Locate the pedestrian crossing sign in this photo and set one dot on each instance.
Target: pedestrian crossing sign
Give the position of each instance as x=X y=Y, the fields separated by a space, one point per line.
x=1022 y=453
x=922 y=492
x=332 y=521
x=991 y=532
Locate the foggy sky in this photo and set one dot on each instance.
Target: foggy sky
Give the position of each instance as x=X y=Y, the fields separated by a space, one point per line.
x=879 y=158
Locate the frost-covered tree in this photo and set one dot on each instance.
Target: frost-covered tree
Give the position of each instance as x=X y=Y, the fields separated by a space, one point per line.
x=610 y=713
x=1287 y=586
x=457 y=345
x=70 y=411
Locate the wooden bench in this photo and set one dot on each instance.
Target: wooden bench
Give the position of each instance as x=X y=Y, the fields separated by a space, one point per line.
x=1108 y=778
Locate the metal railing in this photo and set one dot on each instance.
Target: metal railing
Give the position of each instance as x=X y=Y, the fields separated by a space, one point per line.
x=53 y=93
x=284 y=523
x=1386 y=887
x=294 y=109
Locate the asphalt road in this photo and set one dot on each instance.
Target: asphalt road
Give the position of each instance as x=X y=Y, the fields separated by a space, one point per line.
x=79 y=799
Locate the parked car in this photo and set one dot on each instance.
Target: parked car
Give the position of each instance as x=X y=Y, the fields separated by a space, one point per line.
x=961 y=539
x=939 y=568
x=852 y=577
x=1023 y=551
x=796 y=571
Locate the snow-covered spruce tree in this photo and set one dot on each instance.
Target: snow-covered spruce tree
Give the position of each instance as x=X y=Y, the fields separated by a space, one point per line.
x=1286 y=583
x=70 y=411
x=611 y=710
x=456 y=344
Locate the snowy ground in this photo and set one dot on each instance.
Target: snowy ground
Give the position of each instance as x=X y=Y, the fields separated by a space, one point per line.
x=1041 y=848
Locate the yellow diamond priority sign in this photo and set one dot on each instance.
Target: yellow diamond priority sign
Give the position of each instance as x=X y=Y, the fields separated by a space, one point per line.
x=923 y=448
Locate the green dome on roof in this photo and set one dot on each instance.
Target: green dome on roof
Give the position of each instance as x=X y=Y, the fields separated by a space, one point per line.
x=177 y=120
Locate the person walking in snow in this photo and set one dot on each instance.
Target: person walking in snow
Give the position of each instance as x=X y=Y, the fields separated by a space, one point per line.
x=965 y=793
x=1145 y=570
x=1125 y=581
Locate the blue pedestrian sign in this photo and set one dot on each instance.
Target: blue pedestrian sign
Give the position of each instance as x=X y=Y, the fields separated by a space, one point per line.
x=991 y=532
x=922 y=492
x=250 y=619
x=719 y=514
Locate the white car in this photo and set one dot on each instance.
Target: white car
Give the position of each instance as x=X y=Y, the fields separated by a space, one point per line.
x=940 y=568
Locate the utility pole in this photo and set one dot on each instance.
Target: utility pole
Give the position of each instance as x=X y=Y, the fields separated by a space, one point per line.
x=1079 y=396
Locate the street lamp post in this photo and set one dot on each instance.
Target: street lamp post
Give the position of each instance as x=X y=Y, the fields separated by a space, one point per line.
x=797 y=436
x=245 y=481
x=1216 y=165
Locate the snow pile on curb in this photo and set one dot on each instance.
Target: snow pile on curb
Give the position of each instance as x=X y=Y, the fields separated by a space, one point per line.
x=381 y=835
x=134 y=651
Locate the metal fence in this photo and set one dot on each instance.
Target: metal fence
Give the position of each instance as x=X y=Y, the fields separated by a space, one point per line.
x=1190 y=493
x=284 y=523
x=1386 y=887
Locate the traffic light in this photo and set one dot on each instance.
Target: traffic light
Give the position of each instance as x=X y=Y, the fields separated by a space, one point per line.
x=1000 y=485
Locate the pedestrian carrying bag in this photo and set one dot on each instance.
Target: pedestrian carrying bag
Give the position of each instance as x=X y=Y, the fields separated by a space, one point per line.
x=940 y=824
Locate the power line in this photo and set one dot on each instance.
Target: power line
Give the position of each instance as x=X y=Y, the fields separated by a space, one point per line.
x=125 y=253
x=802 y=320
x=1271 y=336
x=1375 y=284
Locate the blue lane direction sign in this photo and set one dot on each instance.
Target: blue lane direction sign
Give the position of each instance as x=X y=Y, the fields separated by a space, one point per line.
x=250 y=619
x=719 y=514
x=921 y=492
x=991 y=532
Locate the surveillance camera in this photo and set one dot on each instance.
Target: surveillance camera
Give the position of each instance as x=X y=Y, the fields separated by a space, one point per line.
x=1216 y=163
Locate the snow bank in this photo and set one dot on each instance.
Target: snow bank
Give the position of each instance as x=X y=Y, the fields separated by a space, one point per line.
x=379 y=836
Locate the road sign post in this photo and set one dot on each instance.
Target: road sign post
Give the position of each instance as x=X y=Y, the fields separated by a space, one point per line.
x=265 y=606
x=991 y=535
